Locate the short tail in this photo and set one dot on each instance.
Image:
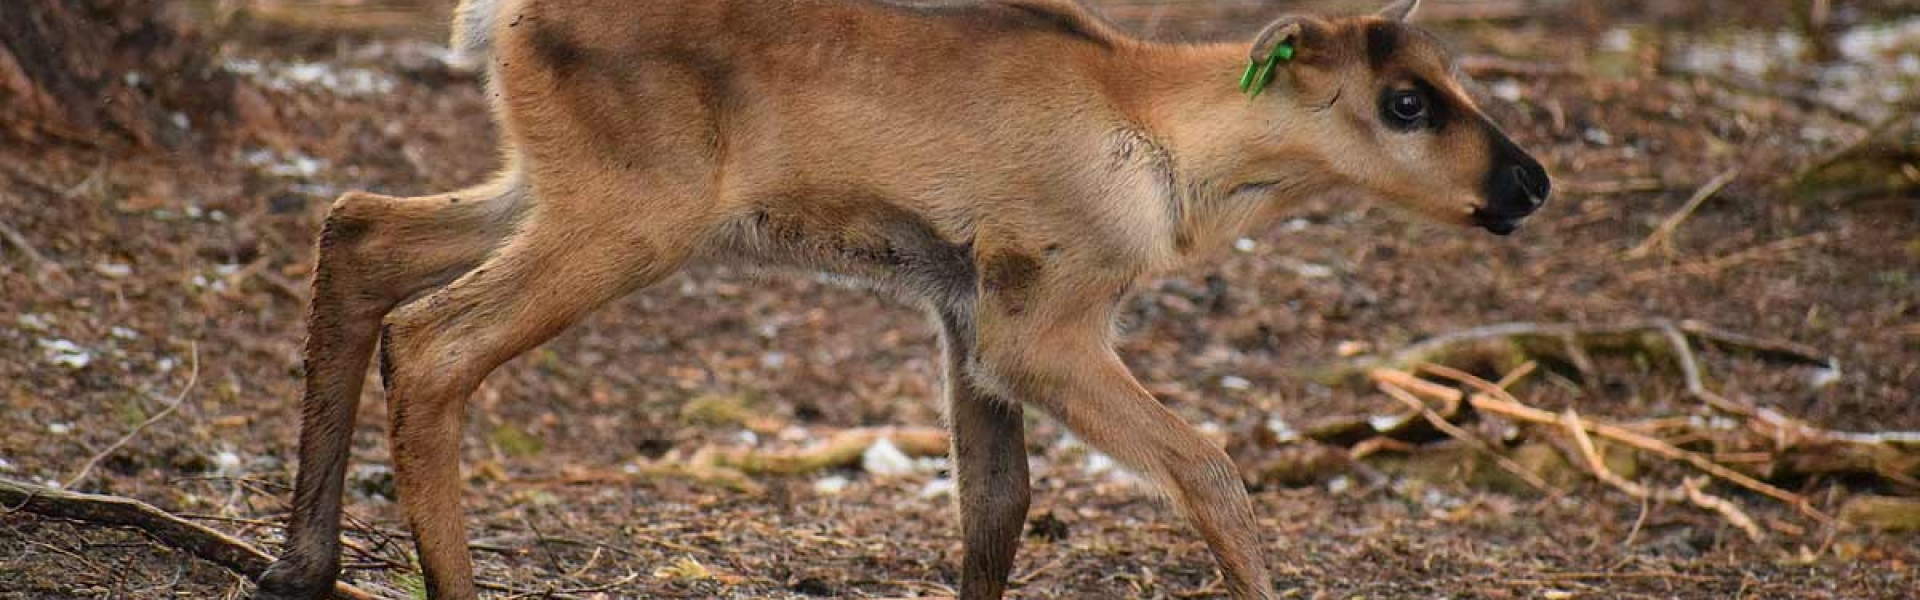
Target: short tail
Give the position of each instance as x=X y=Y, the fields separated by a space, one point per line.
x=473 y=24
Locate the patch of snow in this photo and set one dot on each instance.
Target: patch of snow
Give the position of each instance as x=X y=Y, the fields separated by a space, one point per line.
x=226 y=462
x=1617 y=40
x=293 y=165
x=1508 y=90
x=59 y=428
x=36 y=322
x=1824 y=377
x=1282 y=432
x=1235 y=382
x=123 y=333
x=830 y=485
x=931 y=464
x=773 y=360
x=938 y=487
x=1309 y=270
x=1098 y=463
x=1245 y=245
x=315 y=76
x=1386 y=422
x=113 y=270
x=884 y=459
x=65 y=353
x=1339 y=484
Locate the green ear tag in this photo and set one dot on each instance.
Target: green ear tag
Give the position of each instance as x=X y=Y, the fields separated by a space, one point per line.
x=1259 y=74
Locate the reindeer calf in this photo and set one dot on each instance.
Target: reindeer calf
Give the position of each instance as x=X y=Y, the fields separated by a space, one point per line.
x=1011 y=165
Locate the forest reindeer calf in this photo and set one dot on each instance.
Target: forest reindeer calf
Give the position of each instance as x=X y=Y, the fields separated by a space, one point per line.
x=1011 y=165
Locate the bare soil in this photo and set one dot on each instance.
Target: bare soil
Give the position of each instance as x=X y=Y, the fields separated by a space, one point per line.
x=154 y=258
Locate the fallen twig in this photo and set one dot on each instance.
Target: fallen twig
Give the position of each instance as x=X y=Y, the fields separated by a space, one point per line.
x=1689 y=490
x=731 y=467
x=613 y=585
x=1577 y=430
x=1469 y=439
x=1662 y=236
x=840 y=450
x=193 y=376
x=1498 y=401
x=206 y=543
x=1691 y=486
x=1721 y=263
x=19 y=242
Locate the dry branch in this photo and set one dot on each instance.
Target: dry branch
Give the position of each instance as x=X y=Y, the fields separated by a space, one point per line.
x=1515 y=343
x=1689 y=490
x=193 y=376
x=201 y=541
x=732 y=468
x=1662 y=236
x=1495 y=400
x=1894 y=123
x=1457 y=433
x=842 y=449
x=1721 y=263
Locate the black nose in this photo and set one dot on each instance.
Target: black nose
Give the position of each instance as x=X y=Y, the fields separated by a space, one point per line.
x=1515 y=186
x=1536 y=186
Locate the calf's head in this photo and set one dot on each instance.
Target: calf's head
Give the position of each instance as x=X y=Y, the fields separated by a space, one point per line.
x=1387 y=117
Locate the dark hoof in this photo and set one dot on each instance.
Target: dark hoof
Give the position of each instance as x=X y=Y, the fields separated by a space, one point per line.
x=286 y=581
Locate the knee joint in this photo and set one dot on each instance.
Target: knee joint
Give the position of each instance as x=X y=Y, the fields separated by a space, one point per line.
x=349 y=221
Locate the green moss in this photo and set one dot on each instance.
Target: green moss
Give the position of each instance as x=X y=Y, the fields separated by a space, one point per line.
x=514 y=442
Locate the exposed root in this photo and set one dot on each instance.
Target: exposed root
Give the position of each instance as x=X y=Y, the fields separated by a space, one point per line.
x=734 y=468
x=1508 y=345
x=207 y=543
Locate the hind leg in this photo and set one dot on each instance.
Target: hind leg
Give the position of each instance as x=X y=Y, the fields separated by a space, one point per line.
x=374 y=252
x=990 y=465
x=438 y=349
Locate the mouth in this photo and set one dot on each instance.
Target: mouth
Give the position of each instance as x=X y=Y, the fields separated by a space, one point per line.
x=1497 y=224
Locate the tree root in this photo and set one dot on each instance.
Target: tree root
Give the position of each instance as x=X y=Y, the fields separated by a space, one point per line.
x=207 y=543
x=1504 y=347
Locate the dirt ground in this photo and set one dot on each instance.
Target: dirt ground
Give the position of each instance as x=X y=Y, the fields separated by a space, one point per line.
x=183 y=272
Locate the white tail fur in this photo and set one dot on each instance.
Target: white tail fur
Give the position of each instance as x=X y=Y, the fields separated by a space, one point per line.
x=473 y=25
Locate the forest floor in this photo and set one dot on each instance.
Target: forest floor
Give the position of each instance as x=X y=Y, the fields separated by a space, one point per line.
x=161 y=274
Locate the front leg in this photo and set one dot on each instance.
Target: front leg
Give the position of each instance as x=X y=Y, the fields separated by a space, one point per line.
x=990 y=468
x=1048 y=345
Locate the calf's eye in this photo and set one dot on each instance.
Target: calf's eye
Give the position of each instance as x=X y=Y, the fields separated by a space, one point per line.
x=1408 y=107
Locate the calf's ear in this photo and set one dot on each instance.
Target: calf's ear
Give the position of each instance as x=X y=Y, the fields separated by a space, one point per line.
x=1400 y=10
